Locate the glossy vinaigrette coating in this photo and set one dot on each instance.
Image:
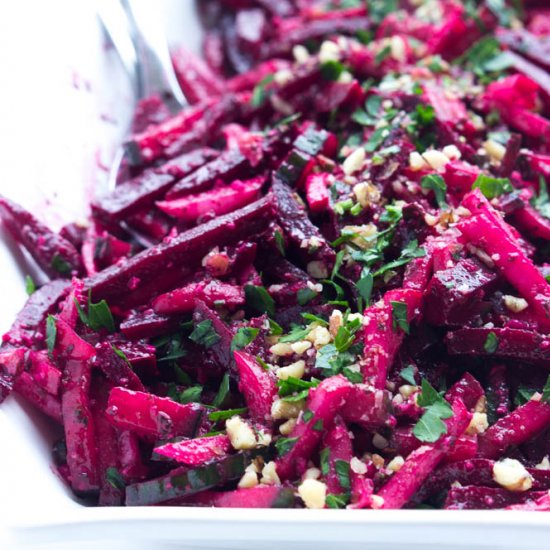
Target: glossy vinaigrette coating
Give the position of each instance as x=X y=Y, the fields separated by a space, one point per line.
x=324 y=283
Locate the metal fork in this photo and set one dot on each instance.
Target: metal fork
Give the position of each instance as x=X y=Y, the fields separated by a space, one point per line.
x=136 y=31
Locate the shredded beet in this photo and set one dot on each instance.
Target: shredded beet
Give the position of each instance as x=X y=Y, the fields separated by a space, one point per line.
x=325 y=283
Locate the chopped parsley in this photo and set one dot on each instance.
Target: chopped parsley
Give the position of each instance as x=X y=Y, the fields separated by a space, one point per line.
x=216 y=416
x=223 y=392
x=492 y=187
x=204 y=334
x=431 y=427
x=30 y=285
x=342 y=471
x=331 y=70
x=408 y=375
x=259 y=300
x=399 y=316
x=51 y=334
x=491 y=343
x=114 y=478
x=260 y=94
x=98 y=316
x=436 y=183
x=285 y=444
x=243 y=337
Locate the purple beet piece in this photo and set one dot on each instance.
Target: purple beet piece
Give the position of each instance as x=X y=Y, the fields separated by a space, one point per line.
x=368 y=407
x=182 y=166
x=150 y=110
x=338 y=446
x=261 y=496
x=519 y=344
x=34 y=312
x=131 y=196
x=230 y=165
x=147 y=324
x=160 y=266
x=467 y=389
x=304 y=237
x=221 y=350
x=116 y=368
x=454 y=295
x=56 y=256
x=498 y=393
x=486 y=498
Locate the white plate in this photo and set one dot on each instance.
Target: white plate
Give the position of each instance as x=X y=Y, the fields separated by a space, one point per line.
x=60 y=80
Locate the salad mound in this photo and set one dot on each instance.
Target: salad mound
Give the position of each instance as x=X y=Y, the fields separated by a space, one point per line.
x=324 y=283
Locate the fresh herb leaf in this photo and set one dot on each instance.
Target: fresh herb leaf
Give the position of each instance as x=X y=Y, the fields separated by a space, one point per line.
x=430 y=427
x=364 y=287
x=292 y=385
x=204 y=334
x=336 y=501
x=399 y=316
x=98 y=316
x=315 y=319
x=524 y=394
x=216 y=416
x=337 y=263
x=324 y=456
x=260 y=95
x=436 y=183
x=318 y=426
x=542 y=201
x=259 y=300
x=223 y=392
x=280 y=242
x=382 y=54
x=379 y=9
x=114 y=478
x=546 y=391
x=60 y=265
x=243 y=337
x=305 y=295
x=30 y=285
x=353 y=376
x=342 y=471
x=491 y=343
x=376 y=139
x=190 y=395
x=296 y=333
x=331 y=70
x=275 y=328
x=492 y=187
x=51 y=334
x=424 y=115
x=307 y=415
x=408 y=375
x=285 y=444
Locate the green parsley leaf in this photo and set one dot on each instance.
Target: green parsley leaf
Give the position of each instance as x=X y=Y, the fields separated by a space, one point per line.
x=376 y=139
x=292 y=385
x=399 y=316
x=364 y=287
x=243 y=337
x=30 y=285
x=98 y=316
x=307 y=415
x=342 y=471
x=337 y=264
x=223 y=392
x=324 y=456
x=51 y=334
x=305 y=295
x=424 y=114
x=382 y=54
x=408 y=375
x=336 y=501
x=353 y=376
x=492 y=187
x=524 y=394
x=114 y=478
x=280 y=242
x=437 y=184
x=379 y=9
x=315 y=319
x=275 y=328
x=296 y=333
x=491 y=343
x=259 y=300
x=430 y=427
x=285 y=444
x=324 y=357
x=318 y=426
x=260 y=95
x=60 y=265
x=216 y=416
x=204 y=334
x=546 y=391
x=331 y=70
x=190 y=395
x=542 y=201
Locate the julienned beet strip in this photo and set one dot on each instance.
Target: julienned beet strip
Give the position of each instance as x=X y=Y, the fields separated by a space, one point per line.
x=323 y=284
